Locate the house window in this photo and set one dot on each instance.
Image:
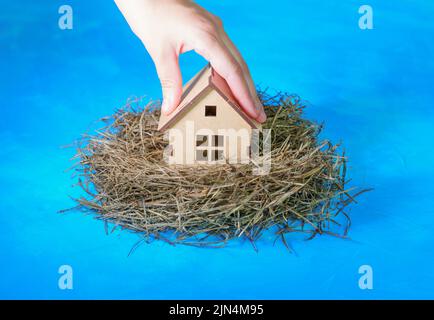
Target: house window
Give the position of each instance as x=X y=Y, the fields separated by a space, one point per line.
x=210 y=111
x=201 y=141
x=217 y=141
x=202 y=155
x=209 y=148
x=217 y=155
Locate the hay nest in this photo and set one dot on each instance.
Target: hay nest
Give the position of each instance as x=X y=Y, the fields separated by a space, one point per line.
x=128 y=184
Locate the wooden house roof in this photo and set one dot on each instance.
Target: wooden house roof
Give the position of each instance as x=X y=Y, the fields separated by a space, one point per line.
x=200 y=85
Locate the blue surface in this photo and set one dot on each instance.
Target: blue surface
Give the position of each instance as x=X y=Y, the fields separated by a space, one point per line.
x=372 y=88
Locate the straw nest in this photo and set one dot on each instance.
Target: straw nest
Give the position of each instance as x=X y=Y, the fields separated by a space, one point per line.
x=127 y=183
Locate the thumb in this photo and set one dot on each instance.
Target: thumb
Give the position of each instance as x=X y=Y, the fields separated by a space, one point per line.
x=167 y=65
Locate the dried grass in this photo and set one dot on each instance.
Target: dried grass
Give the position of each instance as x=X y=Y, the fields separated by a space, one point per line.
x=127 y=183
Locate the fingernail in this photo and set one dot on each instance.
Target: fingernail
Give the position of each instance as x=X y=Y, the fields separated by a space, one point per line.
x=167 y=103
x=262 y=117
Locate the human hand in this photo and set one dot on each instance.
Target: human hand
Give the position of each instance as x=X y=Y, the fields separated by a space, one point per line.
x=169 y=28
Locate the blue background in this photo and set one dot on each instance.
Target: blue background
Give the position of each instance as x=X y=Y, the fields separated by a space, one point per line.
x=372 y=88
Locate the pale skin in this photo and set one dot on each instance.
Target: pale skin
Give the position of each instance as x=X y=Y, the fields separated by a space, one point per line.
x=169 y=28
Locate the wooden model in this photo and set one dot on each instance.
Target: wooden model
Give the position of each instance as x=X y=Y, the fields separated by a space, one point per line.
x=208 y=127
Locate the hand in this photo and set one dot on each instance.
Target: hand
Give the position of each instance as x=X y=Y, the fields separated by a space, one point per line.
x=169 y=28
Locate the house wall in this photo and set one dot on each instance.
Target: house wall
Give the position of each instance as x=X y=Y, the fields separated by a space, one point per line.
x=227 y=122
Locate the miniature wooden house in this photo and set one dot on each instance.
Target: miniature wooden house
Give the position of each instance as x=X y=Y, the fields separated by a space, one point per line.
x=208 y=127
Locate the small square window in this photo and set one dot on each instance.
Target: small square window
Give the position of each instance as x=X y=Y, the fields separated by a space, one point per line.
x=201 y=141
x=202 y=155
x=217 y=141
x=210 y=111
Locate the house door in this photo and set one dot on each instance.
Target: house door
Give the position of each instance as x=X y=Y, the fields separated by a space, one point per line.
x=210 y=148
